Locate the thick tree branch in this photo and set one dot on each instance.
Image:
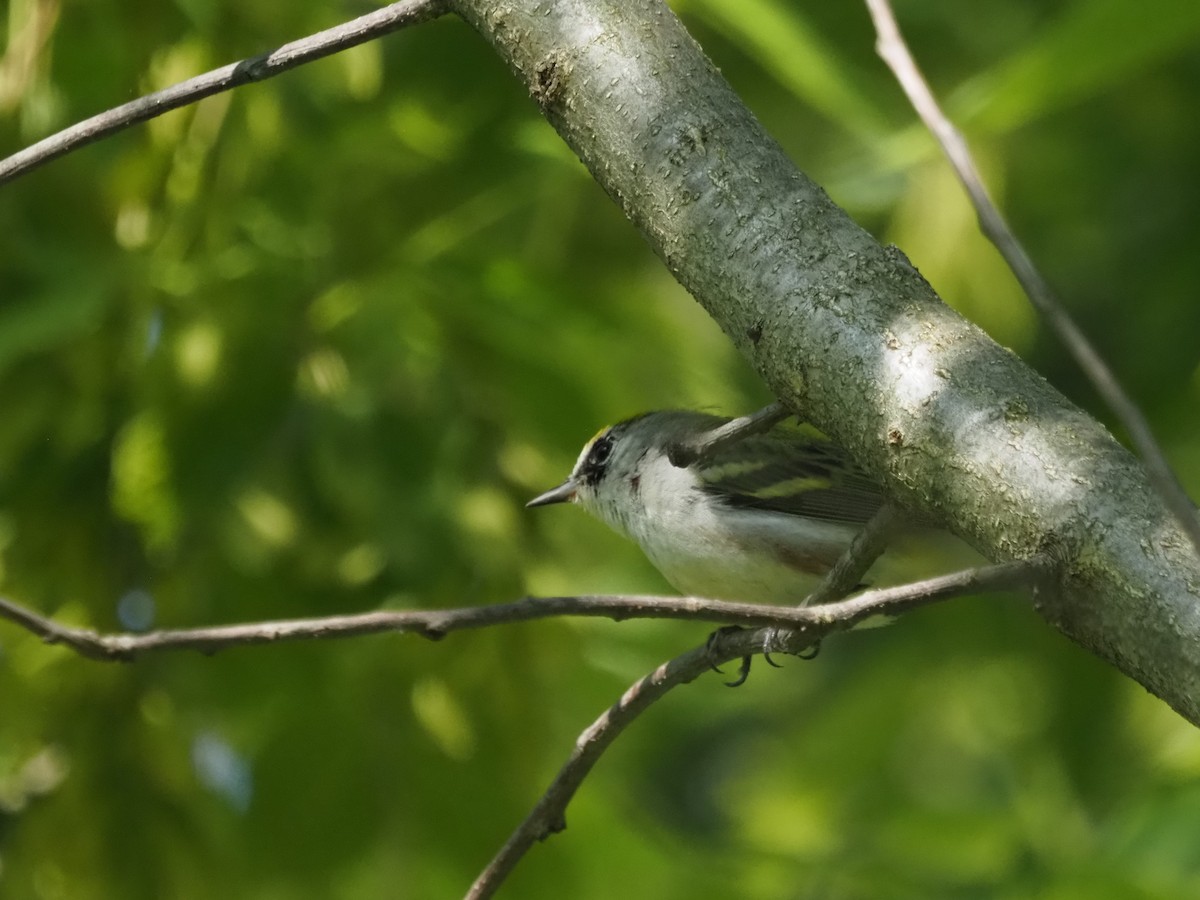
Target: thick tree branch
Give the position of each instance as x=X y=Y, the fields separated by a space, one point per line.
x=955 y=426
x=894 y=51
x=436 y=623
x=258 y=68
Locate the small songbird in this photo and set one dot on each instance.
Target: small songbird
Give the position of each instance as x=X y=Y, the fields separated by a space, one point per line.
x=757 y=520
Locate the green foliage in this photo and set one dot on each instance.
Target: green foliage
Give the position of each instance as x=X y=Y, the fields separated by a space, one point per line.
x=306 y=348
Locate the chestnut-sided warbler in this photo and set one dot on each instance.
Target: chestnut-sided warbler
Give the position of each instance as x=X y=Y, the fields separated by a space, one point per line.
x=756 y=520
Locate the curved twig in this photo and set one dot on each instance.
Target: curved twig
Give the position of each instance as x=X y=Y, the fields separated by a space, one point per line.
x=548 y=815
x=257 y=68
x=687 y=452
x=894 y=51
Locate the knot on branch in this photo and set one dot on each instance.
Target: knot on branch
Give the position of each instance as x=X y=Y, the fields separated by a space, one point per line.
x=549 y=80
x=552 y=827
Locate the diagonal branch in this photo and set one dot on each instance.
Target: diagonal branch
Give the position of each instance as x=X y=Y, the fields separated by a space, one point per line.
x=257 y=68
x=548 y=815
x=703 y=445
x=868 y=545
x=894 y=51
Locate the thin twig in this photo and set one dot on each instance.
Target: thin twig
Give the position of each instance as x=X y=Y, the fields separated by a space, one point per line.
x=891 y=601
x=866 y=547
x=436 y=623
x=894 y=51
x=548 y=815
x=257 y=68
x=687 y=452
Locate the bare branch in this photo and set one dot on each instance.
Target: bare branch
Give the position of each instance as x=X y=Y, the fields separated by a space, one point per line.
x=436 y=623
x=548 y=815
x=686 y=453
x=894 y=51
x=867 y=546
x=257 y=68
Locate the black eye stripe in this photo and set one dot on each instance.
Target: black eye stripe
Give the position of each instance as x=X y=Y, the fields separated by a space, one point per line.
x=596 y=463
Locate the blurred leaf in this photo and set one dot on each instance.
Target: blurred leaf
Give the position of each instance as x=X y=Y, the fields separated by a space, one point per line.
x=781 y=39
x=1091 y=48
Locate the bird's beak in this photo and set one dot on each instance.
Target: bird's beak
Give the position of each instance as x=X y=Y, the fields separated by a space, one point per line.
x=564 y=493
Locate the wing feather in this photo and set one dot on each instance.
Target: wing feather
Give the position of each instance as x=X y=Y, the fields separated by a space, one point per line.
x=796 y=473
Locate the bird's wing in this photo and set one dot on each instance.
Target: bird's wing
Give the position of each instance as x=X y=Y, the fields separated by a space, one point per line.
x=795 y=473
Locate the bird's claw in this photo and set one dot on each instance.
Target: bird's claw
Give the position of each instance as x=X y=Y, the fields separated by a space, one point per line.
x=712 y=640
x=810 y=652
x=743 y=673
x=744 y=666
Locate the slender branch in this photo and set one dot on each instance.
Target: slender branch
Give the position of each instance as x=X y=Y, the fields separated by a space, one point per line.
x=866 y=547
x=840 y=615
x=548 y=815
x=894 y=51
x=687 y=452
x=258 y=68
x=436 y=623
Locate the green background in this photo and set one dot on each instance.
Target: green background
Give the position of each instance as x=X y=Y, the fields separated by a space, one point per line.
x=306 y=348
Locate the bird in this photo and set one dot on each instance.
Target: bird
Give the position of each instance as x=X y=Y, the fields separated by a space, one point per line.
x=760 y=519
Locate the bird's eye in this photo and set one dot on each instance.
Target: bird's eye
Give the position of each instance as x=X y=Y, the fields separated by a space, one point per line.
x=594 y=463
x=601 y=450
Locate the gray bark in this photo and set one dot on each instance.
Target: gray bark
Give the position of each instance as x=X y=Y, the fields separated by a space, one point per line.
x=849 y=333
